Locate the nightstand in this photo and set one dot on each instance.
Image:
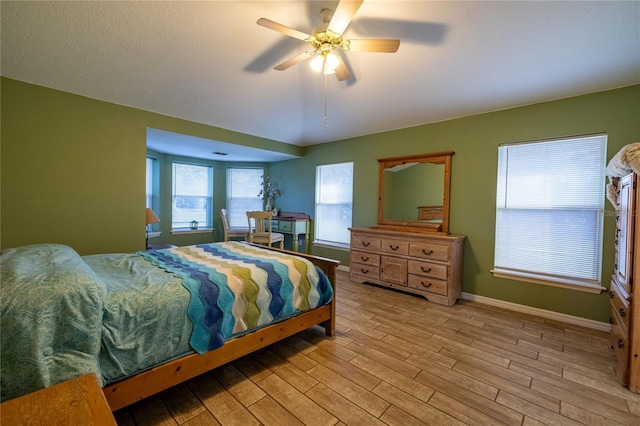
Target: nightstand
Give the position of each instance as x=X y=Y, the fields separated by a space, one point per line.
x=78 y=401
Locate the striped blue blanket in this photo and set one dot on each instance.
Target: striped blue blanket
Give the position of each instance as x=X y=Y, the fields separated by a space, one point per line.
x=236 y=288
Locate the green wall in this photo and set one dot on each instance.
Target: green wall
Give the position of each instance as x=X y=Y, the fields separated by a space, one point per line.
x=73 y=168
x=73 y=172
x=475 y=141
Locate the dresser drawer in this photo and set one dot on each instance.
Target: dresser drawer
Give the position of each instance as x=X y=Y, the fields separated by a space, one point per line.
x=285 y=225
x=619 y=307
x=365 y=242
x=366 y=271
x=365 y=258
x=433 y=270
x=619 y=342
x=430 y=285
x=429 y=251
x=395 y=247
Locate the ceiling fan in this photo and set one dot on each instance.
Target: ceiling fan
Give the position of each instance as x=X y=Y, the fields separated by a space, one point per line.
x=326 y=39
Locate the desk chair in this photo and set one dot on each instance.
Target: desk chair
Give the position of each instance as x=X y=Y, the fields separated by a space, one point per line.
x=260 y=229
x=230 y=232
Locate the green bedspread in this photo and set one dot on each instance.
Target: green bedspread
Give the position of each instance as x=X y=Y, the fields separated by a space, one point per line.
x=145 y=320
x=51 y=318
x=64 y=315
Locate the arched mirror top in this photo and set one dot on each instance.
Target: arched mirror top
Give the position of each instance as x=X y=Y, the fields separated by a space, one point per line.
x=414 y=192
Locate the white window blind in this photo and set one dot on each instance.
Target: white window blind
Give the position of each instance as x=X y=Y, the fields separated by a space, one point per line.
x=334 y=199
x=152 y=200
x=150 y=181
x=192 y=196
x=550 y=208
x=243 y=186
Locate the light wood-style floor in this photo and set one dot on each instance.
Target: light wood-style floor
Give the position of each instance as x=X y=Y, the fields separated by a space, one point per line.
x=398 y=359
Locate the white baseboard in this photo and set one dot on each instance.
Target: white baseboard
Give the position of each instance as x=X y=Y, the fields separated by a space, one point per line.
x=343 y=268
x=584 y=322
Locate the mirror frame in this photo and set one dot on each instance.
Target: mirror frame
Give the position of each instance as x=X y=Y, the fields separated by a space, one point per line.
x=415 y=225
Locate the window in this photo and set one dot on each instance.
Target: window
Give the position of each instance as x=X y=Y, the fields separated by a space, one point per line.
x=550 y=208
x=152 y=201
x=150 y=175
x=192 y=196
x=334 y=199
x=243 y=186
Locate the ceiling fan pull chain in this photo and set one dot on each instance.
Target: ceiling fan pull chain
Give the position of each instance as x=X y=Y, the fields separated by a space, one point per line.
x=324 y=121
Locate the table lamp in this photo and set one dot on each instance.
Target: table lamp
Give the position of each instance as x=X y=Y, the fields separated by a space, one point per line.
x=151 y=218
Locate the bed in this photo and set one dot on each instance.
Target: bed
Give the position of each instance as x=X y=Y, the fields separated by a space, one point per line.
x=146 y=321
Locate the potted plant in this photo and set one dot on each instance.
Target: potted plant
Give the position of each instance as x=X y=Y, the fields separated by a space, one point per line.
x=268 y=193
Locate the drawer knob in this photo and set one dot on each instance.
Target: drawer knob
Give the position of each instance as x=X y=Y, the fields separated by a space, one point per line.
x=611 y=321
x=366 y=243
x=425 y=285
x=611 y=295
x=425 y=270
x=620 y=344
x=392 y=247
x=622 y=312
x=364 y=259
x=364 y=271
x=427 y=252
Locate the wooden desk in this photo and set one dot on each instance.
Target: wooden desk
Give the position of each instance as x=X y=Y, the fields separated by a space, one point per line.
x=295 y=224
x=78 y=401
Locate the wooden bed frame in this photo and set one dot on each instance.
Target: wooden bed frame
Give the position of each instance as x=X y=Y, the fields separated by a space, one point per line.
x=149 y=382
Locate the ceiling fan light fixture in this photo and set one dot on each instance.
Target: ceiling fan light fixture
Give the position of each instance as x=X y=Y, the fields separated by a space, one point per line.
x=317 y=63
x=326 y=39
x=331 y=62
x=325 y=62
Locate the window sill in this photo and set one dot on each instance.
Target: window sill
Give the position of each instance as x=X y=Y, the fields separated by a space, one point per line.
x=556 y=282
x=179 y=231
x=332 y=245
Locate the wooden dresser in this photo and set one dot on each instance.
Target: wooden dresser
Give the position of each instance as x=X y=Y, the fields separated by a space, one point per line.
x=428 y=264
x=625 y=316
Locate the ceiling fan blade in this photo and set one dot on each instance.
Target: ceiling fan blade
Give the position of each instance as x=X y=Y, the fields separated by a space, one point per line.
x=374 y=45
x=342 y=72
x=267 y=23
x=292 y=61
x=343 y=15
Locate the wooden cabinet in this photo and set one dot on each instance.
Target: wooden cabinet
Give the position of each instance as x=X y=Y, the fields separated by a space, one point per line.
x=428 y=264
x=625 y=316
x=625 y=221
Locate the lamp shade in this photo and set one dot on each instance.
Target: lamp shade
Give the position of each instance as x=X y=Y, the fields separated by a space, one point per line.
x=326 y=62
x=151 y=217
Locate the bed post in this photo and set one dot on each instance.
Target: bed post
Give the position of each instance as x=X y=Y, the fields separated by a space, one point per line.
x=330 y=324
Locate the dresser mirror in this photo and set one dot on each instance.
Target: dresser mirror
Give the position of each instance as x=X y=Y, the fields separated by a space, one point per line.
x=414 y=192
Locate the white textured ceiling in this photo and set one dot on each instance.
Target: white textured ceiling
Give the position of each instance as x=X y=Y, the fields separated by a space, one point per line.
x=209 y=62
